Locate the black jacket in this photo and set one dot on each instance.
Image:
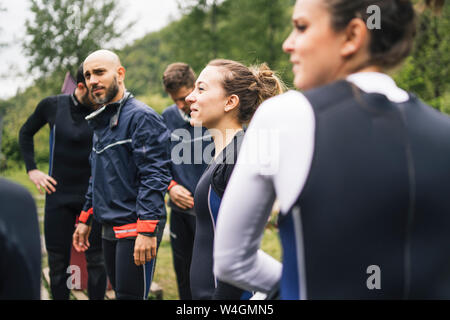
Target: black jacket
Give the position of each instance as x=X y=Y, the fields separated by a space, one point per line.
x=130 y=166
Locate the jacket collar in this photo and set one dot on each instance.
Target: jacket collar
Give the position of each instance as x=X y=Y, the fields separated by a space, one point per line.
x=110 y=111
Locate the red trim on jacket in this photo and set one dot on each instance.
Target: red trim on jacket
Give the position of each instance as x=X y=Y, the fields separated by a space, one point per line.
x=125 y=231
x=148 y=226
x=172 y=184
x=85 y=215
x=133 y=229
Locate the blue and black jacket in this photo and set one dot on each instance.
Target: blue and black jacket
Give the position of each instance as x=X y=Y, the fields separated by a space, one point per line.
x=130 y=168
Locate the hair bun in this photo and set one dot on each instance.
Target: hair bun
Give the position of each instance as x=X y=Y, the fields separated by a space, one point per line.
x=262 y=71
x=269 y=84
x=251 y=84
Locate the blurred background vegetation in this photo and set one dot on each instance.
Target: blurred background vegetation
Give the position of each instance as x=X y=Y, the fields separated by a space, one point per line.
x=250 y=31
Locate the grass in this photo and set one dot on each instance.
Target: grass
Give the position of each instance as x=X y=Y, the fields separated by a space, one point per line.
x=19 y=175
x=164 y=272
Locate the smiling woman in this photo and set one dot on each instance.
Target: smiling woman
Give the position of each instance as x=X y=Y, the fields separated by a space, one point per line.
x=225 y=96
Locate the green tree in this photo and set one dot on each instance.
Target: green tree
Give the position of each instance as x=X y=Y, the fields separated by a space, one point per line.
x=62 y=33
x=255 y=31
x=427 y=71
x=207 y=15
x=250 y=31
x=2 y=108
x=145 y=61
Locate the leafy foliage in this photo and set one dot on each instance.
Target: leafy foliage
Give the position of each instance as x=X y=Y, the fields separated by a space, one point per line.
x=250 y=31
x=64 y=32
x=427 y=71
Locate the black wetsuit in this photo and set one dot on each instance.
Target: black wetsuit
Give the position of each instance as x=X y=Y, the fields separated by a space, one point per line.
x=360 y=169
x=188 y=143
x=70 y=146
x=208 y=196
x=378 y=189
x=20 y=246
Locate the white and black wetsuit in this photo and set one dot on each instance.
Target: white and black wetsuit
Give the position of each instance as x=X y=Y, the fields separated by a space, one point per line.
x=70 y=146
x=361 y=171
x=207 y=199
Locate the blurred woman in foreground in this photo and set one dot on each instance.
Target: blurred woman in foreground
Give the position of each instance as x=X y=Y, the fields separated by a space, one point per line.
x=360 y=168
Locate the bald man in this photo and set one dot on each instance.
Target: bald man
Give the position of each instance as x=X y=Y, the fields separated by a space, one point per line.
x=130 y=164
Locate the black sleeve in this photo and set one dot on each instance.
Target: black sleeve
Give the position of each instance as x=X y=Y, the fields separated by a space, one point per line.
x=44 y=113
x=225 y=291
x=222 y=173
x=220 y=178
x=20 y=265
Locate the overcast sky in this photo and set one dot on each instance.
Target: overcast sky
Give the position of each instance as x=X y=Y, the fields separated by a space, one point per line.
x=151 y=15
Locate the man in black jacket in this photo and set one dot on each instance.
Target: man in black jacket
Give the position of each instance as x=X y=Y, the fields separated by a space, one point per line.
x=66 y=184
x=130 y=162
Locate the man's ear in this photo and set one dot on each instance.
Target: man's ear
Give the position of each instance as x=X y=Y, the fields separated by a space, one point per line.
x=232 y=103
x=356 y=37
x=121 y=73
x=81 y=86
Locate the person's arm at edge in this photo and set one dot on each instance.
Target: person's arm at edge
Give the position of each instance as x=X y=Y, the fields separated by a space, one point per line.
x=38 y=119
x=43 y=114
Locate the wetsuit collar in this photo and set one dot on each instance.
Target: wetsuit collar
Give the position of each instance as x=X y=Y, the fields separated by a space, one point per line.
x=115 y=118
x=75 y=100
x=376 y=82
x=84 y=108
x=184 y=116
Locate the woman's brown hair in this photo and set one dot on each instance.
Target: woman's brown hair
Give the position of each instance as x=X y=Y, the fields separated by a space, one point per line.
x=252 y=85
x=391 y=44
